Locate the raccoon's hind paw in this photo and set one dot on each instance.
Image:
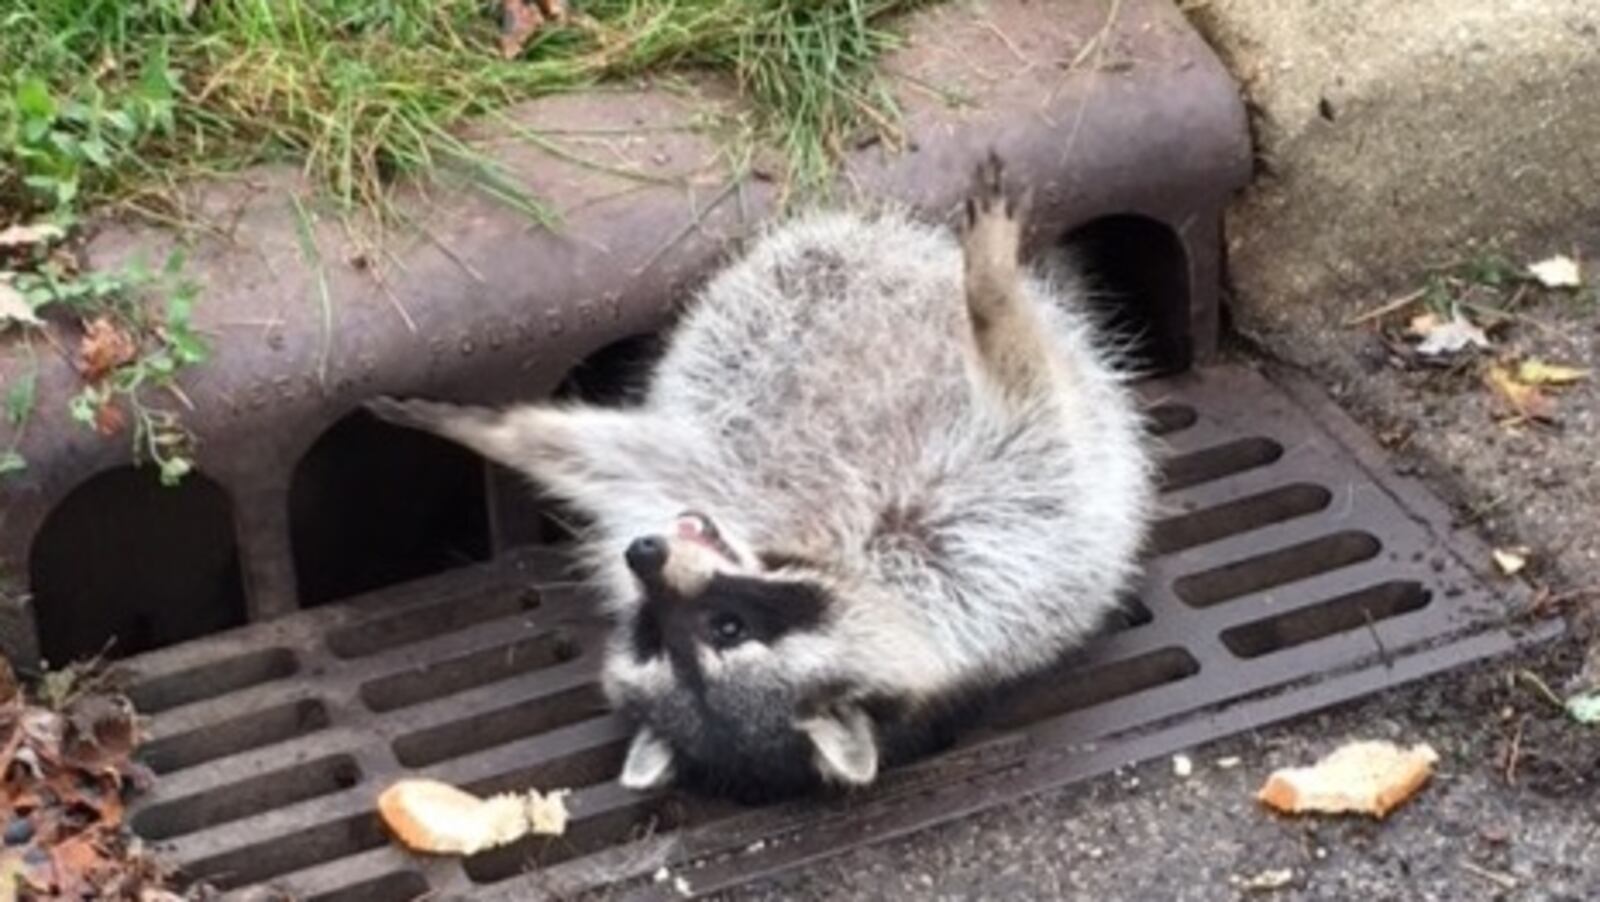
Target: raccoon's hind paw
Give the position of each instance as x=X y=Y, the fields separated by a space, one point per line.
x=990 y=243
x=992 y=196
x=429 y=416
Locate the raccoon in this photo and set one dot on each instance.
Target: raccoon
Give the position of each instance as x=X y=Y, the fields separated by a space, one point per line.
x=881 y=472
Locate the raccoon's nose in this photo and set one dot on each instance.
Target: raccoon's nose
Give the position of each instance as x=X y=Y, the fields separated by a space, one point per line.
x=646 y=556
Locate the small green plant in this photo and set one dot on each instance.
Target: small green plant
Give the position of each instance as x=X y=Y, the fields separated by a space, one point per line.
x=139 y=335
x=54 y=143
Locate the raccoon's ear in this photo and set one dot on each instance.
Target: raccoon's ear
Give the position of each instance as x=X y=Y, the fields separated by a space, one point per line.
x=649 y=764
x=846 y=746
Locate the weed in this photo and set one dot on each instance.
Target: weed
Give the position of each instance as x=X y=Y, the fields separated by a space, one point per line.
x=117 y=101
x=365 y=92
x=154 y=342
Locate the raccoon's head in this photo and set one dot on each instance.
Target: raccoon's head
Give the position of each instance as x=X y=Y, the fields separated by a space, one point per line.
x=732 y=673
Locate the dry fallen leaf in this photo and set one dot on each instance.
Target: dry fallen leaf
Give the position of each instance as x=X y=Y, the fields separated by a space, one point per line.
x=104 y=348
x=1559 y=271
x=14 y=308
x=1527 y=402
x=29 y=235
x=63 y=775
x=519 y=21
x=109 y=419
x=1511 y=561
x=1534 y=371
x=1443 y=338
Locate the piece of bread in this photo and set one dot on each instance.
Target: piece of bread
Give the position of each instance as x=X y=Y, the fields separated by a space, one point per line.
x=430 y=816
x=1360 y=778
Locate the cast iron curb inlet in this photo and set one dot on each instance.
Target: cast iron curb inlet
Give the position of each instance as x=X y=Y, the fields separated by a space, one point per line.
x=1291 y=569
x=1141 y=143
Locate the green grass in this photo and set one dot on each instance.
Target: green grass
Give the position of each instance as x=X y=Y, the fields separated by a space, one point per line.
x=104 y=100
x=119 y=101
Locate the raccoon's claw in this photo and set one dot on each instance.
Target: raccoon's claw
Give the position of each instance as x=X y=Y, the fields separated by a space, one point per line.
x=991 y=196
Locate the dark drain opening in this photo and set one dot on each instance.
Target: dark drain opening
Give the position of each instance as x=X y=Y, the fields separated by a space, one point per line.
x=491 y=728
x=1130 y=612
x=236 y=801
x=235 y=735
x=1140 y=273
x=617 y=375
x=212 y=680
x=612 y=828
x=1276 y=568
x=396 y=887
x=127 y=561
x=1355 y=611
x=292 y=852
x=1072 y=687
x=1210 y=464
x=467 y=672
x=372 y=505
x=369 y=637
x=1232 y=518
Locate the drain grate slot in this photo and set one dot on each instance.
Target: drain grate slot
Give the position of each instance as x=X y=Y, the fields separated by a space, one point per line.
x=238 y=734
x=208 y=681
x=400 y=885
x=1276 y=568
x=1210 y=464
x=1358 y=610
x=252 y=796
x=480 y=668
x=1232 y=518
x=296 y=851
x=420 y=624
x=502 y=725
x=1074 y=689
x=1165 y=419
x=575 y=770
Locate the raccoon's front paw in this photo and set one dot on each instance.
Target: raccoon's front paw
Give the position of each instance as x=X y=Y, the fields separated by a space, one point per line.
x=429 y=416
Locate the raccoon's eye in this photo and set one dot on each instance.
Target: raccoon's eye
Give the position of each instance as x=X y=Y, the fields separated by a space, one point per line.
x=727 y=629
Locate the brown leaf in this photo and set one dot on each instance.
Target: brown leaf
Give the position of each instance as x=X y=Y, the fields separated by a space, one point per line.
x=1527 y=402
x=101 y=734
x=104 y=348
x=1534 y=371
x=519 y=21
x=109 y=419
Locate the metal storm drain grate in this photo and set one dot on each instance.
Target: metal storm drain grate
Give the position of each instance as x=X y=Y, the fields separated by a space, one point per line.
x=1290 y=572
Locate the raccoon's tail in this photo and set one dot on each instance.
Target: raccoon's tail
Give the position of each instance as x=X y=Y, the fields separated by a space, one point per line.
x=586 y=455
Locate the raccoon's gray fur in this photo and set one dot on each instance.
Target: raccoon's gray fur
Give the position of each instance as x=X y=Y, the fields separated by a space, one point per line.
x=877 y=471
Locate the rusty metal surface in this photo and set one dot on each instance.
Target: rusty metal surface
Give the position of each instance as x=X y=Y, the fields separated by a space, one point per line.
x=478 y=303
x=1320 y=577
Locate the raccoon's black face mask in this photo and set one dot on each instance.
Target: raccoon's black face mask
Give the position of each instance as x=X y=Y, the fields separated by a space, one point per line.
x=725 y=699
